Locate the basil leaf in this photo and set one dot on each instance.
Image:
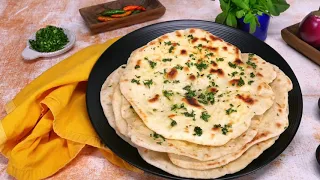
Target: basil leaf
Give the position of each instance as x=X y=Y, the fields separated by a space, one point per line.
x=261 y=8
x=241 y=4
x=271 y=8
x=253 y=25
x=248 y=18
x=280 y=5
x=240 y=14
x=221 y=18
x=252 y=2
x=223 y=5
x=232 y=20
x=252 y=20
x=257 y=21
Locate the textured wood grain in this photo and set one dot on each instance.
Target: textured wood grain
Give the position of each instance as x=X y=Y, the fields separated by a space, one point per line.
x=291 y=36
x=154 y=10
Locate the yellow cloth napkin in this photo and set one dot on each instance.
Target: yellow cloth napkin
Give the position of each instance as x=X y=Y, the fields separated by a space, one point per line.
x=47 y=123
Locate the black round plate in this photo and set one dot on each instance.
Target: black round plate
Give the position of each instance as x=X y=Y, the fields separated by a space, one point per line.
x=118 y=54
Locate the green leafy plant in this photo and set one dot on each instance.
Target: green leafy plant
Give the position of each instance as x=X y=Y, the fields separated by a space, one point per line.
x=233 y=9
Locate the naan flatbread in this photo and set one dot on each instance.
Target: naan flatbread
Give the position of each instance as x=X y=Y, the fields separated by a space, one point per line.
x=106 y=94
x=187 y=82
x=273 y=123
x=161 y=161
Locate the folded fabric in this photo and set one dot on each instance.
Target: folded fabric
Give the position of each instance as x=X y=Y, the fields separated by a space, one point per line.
x=47 y=123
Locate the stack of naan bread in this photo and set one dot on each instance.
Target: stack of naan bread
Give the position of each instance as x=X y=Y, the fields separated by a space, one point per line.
x=195 y=106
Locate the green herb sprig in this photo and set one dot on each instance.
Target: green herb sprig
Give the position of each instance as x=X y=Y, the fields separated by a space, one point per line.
x=233 y=9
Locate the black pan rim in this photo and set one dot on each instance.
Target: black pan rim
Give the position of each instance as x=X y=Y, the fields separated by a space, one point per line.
x=269 y=159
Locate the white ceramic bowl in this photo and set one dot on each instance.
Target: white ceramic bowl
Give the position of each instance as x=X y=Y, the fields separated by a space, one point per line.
x=29 y=54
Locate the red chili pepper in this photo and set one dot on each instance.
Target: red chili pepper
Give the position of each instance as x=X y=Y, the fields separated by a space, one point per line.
x=121 y=15
x=141 y=8
x=134 y=7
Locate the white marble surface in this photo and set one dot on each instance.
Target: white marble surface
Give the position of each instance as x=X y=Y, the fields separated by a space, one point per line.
x=298 y=160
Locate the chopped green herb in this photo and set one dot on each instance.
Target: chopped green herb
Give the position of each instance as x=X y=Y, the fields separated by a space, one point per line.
x=192 y=114
x=252 y=75
x=202 y=100
x=209 y=76
x=209 y=54
x=159 y=143
x=241 y=82
x=166 y=81
x=156 y=136
x=154 y=110
x=232 y=65
x=167 y=60
x=252 y=64
x=123 y=67
x=190 y=93
x=199 y=47
x=148 y=82
x=197 y=131
x=178 y=66
x=217 y=126
x=171 y=49
x=198 y=74
x=205 y=116
x=250 y=82
x=137 y=76
x=190 y=36
x=49 y=39
x=219 y=59
x=285 y=127
x=188 y=64
x=177 y=106
x=135 y=81
x=241 y=68
x=242 y=73
x=137 y=67
x=176 y=81
x=167 y=94
x=225 y=129
x=173 y=123
x=152 y=64
x=206 y=98
x=250 y=56
x=110 y=86
x=234 y=73
x=192 y=56
x=230 y=110
x=210 y=97
x=200 y=66
x=167 y=43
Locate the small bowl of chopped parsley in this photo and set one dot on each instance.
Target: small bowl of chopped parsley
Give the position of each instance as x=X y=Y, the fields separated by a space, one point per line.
x=48 y=42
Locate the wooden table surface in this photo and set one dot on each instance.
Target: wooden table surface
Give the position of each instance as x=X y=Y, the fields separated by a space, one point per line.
x=19 y=19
